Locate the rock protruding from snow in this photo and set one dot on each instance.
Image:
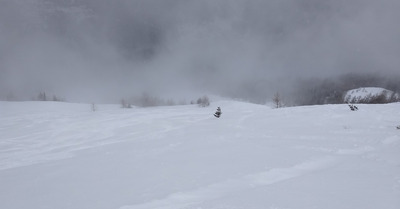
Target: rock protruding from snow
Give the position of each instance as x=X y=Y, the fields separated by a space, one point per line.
x=372 y=95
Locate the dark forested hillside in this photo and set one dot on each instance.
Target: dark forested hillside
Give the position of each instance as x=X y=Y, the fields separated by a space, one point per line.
x=331 y=90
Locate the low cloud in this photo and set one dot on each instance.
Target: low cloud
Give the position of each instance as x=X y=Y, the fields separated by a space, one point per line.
x=103 y=50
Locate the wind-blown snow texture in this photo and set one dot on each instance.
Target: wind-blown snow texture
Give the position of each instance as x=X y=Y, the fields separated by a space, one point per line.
x=60 y=155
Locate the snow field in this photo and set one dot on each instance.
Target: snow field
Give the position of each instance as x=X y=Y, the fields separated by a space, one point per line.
x=60 y=155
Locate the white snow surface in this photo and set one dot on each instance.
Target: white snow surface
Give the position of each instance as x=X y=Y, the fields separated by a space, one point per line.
x=65 y=156
x=364 y=93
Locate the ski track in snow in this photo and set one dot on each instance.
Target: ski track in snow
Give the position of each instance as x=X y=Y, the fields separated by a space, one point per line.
x=218 y=190
x=190 y=199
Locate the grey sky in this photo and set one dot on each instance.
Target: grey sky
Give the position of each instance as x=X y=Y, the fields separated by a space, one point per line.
x=104 y=50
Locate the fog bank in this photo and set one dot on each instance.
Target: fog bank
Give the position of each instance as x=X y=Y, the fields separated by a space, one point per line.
x=99 y=50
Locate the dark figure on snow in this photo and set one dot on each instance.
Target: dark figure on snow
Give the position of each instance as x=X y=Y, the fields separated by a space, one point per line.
x=218 y=113
x=353 y=107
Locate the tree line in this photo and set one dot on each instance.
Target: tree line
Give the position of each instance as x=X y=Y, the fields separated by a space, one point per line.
x=331 y=90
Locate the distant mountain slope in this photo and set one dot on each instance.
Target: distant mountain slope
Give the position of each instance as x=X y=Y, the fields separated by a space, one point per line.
x=370 y=95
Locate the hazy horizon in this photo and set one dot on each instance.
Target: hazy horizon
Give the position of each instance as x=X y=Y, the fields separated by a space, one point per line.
x=99 y=50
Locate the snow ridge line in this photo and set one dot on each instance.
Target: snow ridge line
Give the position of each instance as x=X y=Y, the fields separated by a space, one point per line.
x=224 y=188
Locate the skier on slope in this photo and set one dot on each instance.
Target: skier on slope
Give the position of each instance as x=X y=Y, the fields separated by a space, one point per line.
x=218 y=113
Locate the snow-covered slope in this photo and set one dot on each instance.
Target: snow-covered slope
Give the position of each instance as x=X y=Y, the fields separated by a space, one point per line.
x=367 y=94
x=60 y=155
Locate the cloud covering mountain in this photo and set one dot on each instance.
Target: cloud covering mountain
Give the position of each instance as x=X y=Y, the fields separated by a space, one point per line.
x=103 y=50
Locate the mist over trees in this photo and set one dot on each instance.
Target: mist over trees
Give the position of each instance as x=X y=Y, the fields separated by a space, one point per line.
x=102 y=50
x=331 y=90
